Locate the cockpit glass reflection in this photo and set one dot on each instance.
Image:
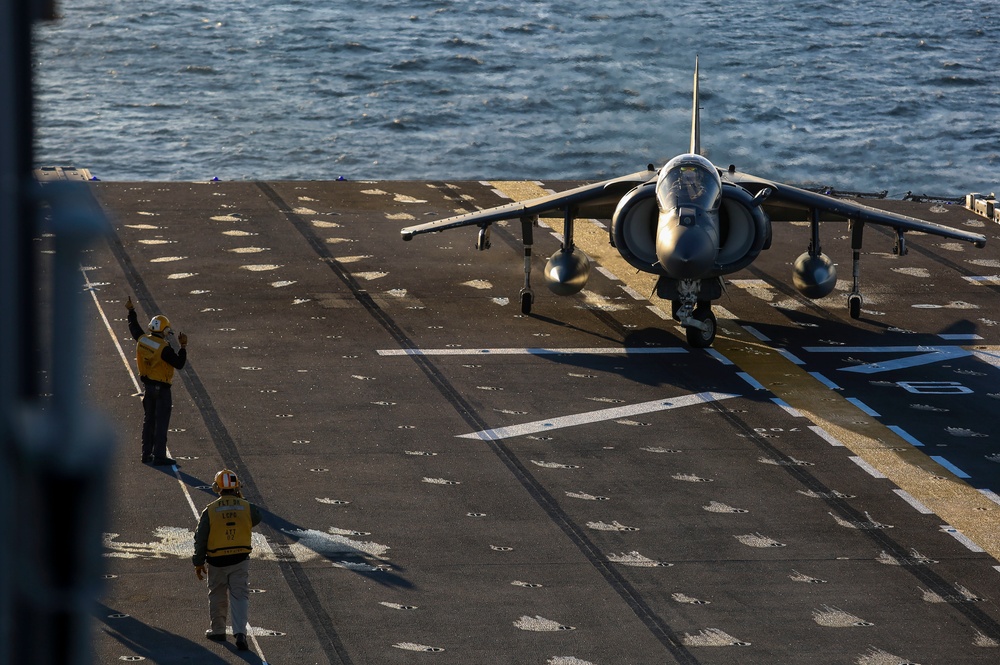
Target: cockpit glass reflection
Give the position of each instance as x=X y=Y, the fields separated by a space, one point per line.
x=689 y=183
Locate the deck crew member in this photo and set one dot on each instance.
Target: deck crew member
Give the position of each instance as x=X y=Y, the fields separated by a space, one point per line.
x=222 y=541
x=156 y=361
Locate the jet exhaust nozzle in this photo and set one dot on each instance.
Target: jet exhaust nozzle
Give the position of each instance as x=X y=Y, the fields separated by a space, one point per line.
x=566 y=272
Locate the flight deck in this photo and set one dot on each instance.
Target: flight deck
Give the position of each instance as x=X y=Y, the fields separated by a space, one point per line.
x=445 y=479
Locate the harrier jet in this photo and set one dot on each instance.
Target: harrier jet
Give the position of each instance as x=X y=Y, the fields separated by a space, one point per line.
x=691 y=223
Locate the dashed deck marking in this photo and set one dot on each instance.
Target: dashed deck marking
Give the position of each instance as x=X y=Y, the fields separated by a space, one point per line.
x=906 y=436
x=754 y=383
x=658 y=312
x=635 y=295
x=607 y=273
x=908 y=498
x=794 y=413
x=791 y=357
x=951 y=467
x=869 y=469
x=826 y=436
x=991 y=495
x=600 y=415
x=718 y=356
x=863 y=407
x=756 y=333
x=825 y=381
x=962 y=538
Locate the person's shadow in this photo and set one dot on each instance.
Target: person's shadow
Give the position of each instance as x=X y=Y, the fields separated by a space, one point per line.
x=157 y=645
x=281 y=533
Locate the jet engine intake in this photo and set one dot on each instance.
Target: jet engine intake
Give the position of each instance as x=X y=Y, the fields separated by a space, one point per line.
x=744 y=230
x=633 y=228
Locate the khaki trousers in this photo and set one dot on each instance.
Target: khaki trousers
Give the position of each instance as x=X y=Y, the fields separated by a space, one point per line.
x=229 y=590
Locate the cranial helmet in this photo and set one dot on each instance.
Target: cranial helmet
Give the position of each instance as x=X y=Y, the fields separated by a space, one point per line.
x=225 y=480
x=159 y=324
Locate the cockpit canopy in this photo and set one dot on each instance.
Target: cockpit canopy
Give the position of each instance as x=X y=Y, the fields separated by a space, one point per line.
x=689 y=180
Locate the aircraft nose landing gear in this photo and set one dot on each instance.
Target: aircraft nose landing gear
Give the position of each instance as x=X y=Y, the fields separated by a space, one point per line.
x=695 y=315
x=700 y=328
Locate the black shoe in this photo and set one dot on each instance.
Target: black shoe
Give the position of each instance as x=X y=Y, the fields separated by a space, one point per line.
x=241 y=642
x=164 y=461
x=215 y=637
x=147 y=459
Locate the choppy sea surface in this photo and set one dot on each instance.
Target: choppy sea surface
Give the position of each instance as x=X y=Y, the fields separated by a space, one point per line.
x=902 y=95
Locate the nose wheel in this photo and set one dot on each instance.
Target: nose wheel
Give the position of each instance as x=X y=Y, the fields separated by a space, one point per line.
x=701 y=335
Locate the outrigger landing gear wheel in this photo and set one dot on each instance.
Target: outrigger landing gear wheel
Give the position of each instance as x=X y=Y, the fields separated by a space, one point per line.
x=698 y=338
x=854 y=305
x=526 y=299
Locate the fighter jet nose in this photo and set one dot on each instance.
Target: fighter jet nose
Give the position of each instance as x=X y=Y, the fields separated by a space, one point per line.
x=685 y=252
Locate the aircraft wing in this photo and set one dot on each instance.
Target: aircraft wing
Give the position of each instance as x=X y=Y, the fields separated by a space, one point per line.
x=597 y=200
x=788 y=203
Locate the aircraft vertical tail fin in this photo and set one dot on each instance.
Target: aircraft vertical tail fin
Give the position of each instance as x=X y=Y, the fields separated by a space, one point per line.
x=695 y=116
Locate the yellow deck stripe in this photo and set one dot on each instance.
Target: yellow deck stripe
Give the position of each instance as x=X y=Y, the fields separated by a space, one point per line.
x=952 y=499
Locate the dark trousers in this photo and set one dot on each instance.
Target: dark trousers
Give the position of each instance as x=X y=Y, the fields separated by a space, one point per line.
x=156 y=403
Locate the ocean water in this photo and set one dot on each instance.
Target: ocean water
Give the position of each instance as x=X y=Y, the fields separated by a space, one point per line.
x=902 y=95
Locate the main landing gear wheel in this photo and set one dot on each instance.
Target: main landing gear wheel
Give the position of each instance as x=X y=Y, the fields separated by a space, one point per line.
x=526 y=298
x=854 y=305
x=698 y=338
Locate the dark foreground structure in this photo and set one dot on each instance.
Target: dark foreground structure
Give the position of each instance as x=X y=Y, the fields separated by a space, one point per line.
x=446 y=479
x=54 y=454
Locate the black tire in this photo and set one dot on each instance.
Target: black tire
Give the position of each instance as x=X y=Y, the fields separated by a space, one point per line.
x=702 y=339
x=526 y=299
x=854 y=305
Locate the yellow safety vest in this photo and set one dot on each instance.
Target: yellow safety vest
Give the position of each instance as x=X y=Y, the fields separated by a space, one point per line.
x=230 y=524
x=149 y=359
